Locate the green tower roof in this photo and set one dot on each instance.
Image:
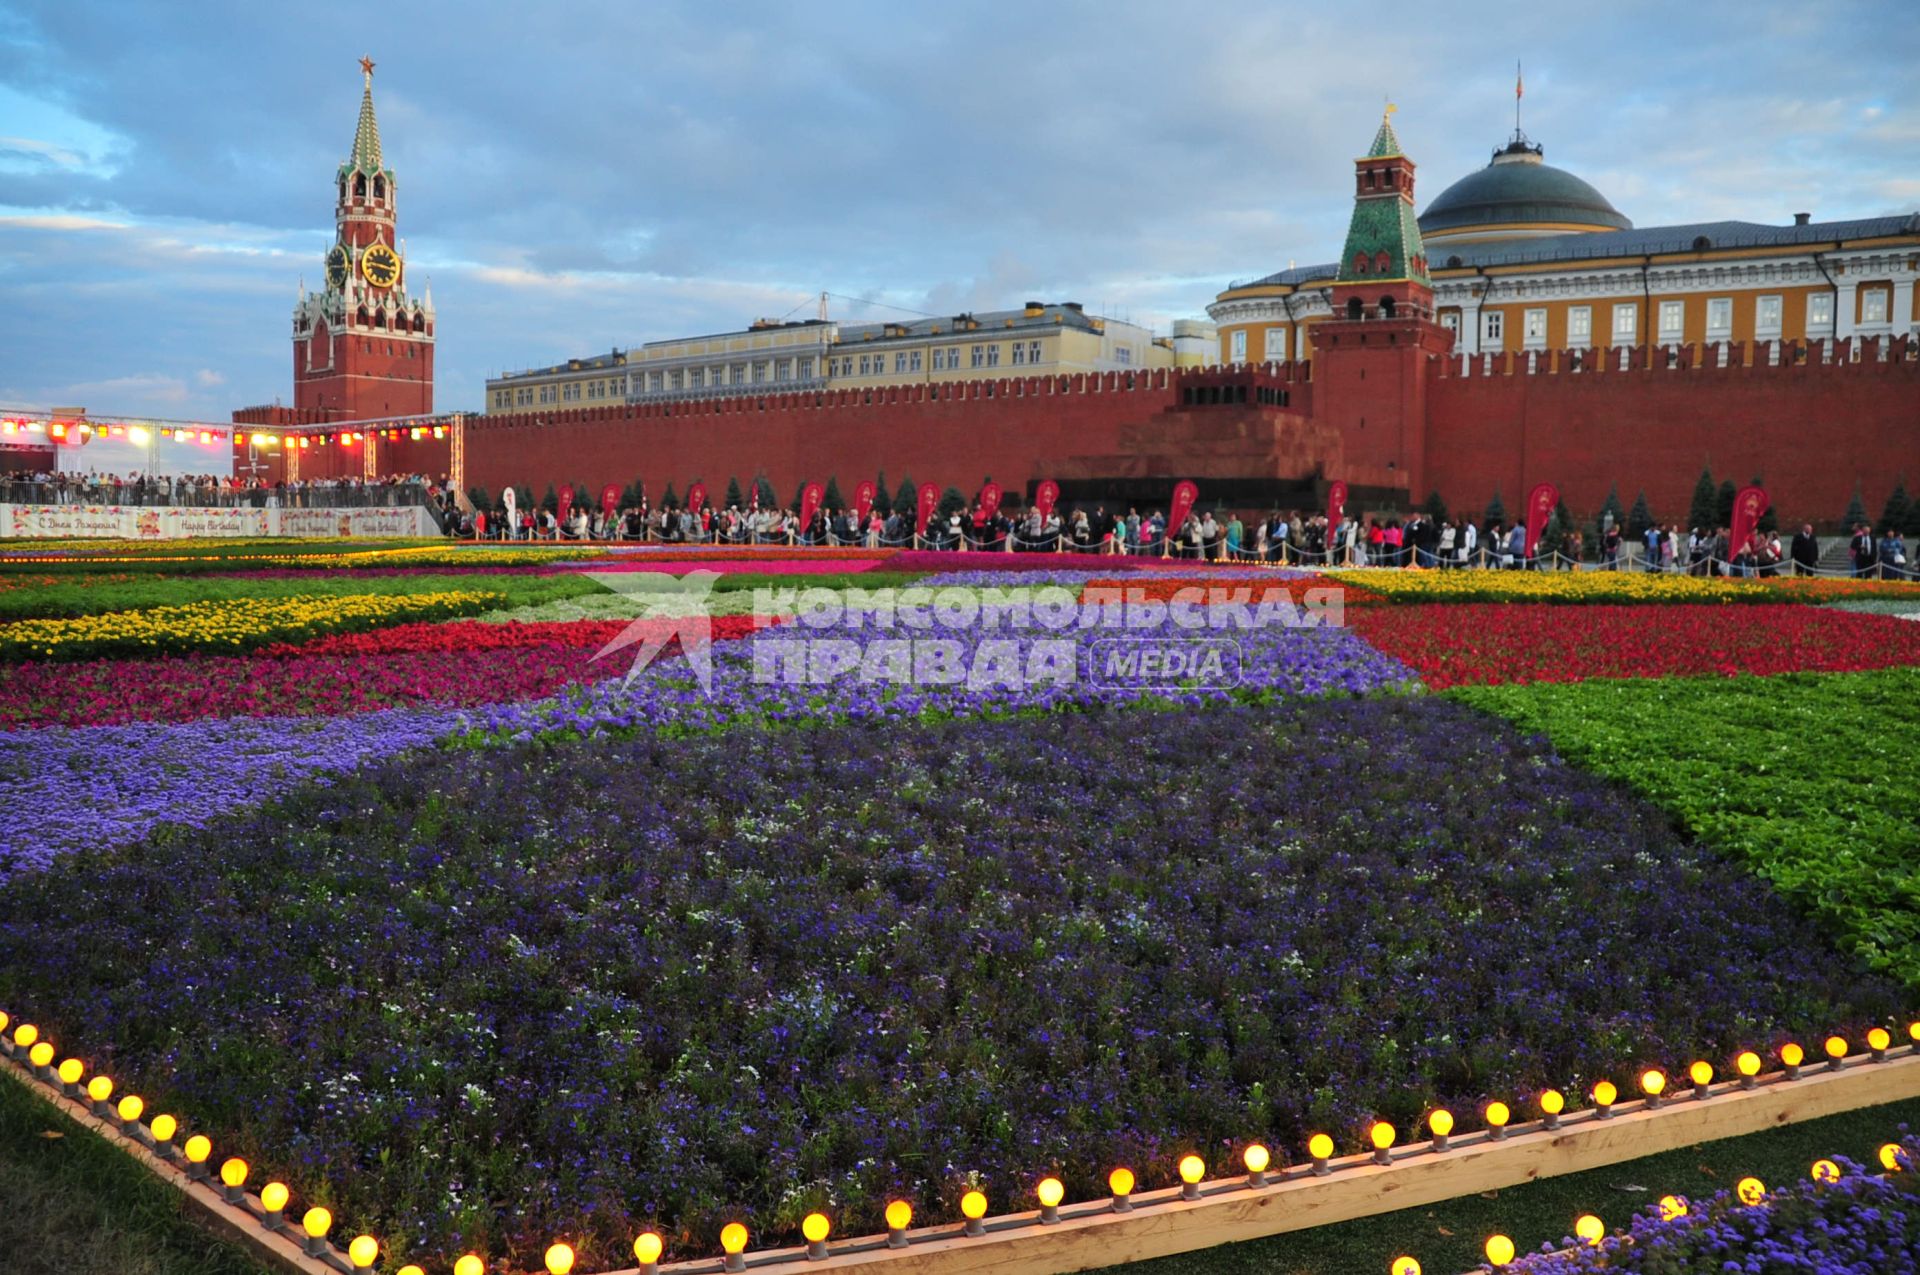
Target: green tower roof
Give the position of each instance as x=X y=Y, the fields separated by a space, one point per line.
x=1385 y=144
x=1383 y=222
x=366 y=135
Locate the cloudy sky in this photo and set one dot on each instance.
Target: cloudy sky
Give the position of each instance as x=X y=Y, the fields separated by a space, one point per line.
x=578 y=177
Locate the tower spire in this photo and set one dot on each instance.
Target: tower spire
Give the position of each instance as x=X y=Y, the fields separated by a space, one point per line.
x=366 y=135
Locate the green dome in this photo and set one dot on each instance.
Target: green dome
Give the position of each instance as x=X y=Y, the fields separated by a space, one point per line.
x=1519 y=190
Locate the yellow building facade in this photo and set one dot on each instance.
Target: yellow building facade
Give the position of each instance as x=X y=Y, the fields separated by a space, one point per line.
x=1528 y=258
x=1039 y=339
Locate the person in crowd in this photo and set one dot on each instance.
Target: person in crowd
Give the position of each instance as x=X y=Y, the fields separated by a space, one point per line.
x=1865 y=553
x=1805 y=550
x=1892 y=554
x=1517 y=546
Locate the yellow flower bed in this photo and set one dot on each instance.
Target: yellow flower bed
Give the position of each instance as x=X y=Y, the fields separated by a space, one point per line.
x=1607 y=586
x=227 y=626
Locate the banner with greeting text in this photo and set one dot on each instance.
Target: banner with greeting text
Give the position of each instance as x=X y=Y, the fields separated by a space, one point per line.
x=136 y=522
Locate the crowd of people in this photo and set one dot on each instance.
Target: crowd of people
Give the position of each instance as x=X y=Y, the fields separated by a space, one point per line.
x=1281 y=538
x=53 y=487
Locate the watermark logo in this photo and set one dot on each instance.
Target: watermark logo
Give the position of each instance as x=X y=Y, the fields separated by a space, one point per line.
x=1135 y=664
x=671 y=607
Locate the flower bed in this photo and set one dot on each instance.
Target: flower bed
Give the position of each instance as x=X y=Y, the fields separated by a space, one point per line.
x=1859 y=1222
x=1269 y=661
x=478 y=999
x=1607 y=586
x=1803 y=777
x=835 y=565
x=1207 y=589
x=80 y=596
x=459 y=664
x=1492 y=643
x=223 y=625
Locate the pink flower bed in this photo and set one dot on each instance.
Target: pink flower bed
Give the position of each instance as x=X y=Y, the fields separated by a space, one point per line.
x=727 y=566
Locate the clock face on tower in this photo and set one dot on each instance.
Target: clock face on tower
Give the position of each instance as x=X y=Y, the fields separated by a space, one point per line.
x=337 y=268
x=381 y=266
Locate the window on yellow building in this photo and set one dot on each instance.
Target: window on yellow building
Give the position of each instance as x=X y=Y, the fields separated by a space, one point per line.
x=1673 y=320
x=1033 y=351
x=1720 y=318
x=1276 y=347
x=1626 y=322
x=1239 y=346
x=979 y=356
x=1873 y=305
x=1019 y=352
x=1535 y=327
x=1820 y=314
x=1766 y=316
x=1493 y=327
x=993 y=356
x=913 y=361
x=1580 y=326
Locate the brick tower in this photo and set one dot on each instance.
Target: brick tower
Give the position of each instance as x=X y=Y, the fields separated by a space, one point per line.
x=363 y=346
x=1373 y=359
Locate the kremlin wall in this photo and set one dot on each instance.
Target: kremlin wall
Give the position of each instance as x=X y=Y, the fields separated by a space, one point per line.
x=1415 y=381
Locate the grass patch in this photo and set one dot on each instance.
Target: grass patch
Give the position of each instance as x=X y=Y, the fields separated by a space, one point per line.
x=1801 y=776
x=72 y=1203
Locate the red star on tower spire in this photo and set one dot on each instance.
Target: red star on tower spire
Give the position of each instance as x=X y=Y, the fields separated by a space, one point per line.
x=366 y=67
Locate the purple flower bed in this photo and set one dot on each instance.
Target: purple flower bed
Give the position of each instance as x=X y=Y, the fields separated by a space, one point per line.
x=1271 y=660
x=1862 y=1224
x=1076 y=577
x=114 y=784
x=481 y=998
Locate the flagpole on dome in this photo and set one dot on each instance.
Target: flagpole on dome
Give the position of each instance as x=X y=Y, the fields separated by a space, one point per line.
x=1519 y=91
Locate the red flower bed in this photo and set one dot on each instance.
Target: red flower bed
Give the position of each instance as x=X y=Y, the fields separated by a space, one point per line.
x=477 y=635
x=461 y=665
x=1488 y=644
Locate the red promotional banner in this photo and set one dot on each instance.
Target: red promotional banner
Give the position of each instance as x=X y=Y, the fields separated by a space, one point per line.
x=863 y=502
x=1336 y=503
x=566 y=503
x=696 y=498
x=1748 y=508
x=609 y=499
x=1539 y=509
x=989 y=501
x=1184 y=494
x=810 y=499
x=1046 y=496
x=929 y=497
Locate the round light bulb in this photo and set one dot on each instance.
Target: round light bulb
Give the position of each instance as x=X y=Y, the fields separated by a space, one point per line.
x=1192 y=1169
x=1672 y=1206
x=1441 y=1123
x=234 y=1171
x=1653 y=1082
x=1825 y=1171
x=1050 y=1192
x=647 y=1248
x=1879 y=1038
x=899 y=1215
x=1498 y=1115
x=1792 y=1055
x=1120 y=1182
x=273 y=1196
x=71 y=1070
x=317 y=1222
x=41 y=1055
x=1836 y=1047
x=733 y=1238
x=163 y=1128
x=1701 y=1073
x=100 y=1088
x=1604 y=1093
x=973 y=1205
x=1256 y=1158
x=363 y=1250
x=409 y=1270
x=1893 y=1157
x=1404 y=1266
x=1552 y=1102
x=1750 y=1191
x=1913 y=1031
x=198 y=1148
x=1590 y=1229
x=1499 y=1250
x=1320 y=1147
x=130 y=1108
x=815 y=1227
x=1748 y=1063
x=1381 y=1135
x=4 y=1020
x=559 y=1260
x=469 y=1265
x=25 y=1034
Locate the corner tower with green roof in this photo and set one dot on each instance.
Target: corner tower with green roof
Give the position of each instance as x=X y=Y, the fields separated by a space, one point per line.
x=1383 y=239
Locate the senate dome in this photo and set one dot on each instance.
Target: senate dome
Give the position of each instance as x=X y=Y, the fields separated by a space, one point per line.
x=1517 y=196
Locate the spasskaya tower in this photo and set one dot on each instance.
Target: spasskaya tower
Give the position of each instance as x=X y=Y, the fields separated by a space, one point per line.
x=363 y=346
